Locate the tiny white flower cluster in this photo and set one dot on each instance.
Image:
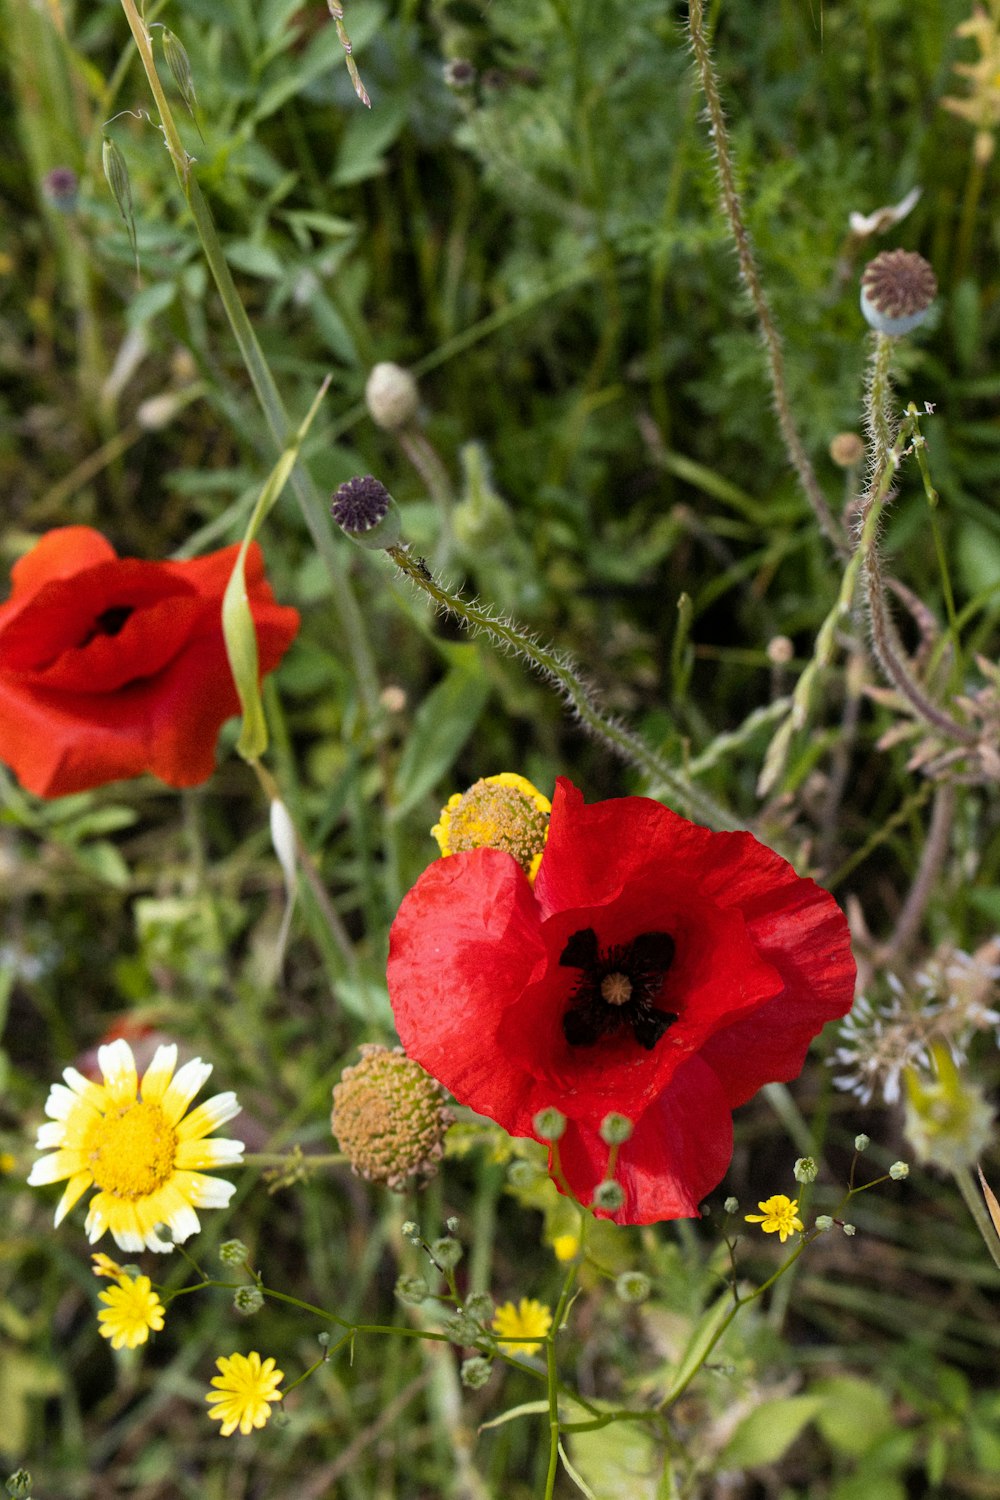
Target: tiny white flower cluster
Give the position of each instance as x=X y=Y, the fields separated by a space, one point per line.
x=946 y=1000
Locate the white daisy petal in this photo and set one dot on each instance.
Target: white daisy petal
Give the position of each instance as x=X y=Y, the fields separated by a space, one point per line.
x=184 y=1223
x=201 y=1154
x=52 y=1168
x=52 y=1134
x=208 y=1116
x=211 y=1192
x=118 y=1066
x=156 y=1079
x=186 y=1083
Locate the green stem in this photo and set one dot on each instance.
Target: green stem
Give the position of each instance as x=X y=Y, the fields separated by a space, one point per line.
x=558 y=669
x=974 y=1203
x=278 y=423
x=733 y=212
x=552 y=1381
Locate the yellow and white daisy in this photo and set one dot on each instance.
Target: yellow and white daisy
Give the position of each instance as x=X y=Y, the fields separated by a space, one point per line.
x=139 y=1146
x=245 y=1387
x=132 y=1310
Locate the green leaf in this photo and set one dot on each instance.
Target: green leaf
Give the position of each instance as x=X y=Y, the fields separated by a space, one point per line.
x=443 y=723
x=618 y=1462
x=367 y=138
x=855 y=1413
x=699 y=1345
x=769 y=1431
x=103 y=861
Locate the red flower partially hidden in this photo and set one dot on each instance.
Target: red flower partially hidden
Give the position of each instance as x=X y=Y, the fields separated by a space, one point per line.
x=655 y=970
x=110 y=666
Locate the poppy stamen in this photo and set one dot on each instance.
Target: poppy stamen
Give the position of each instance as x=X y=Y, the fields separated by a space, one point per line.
x=617 y=988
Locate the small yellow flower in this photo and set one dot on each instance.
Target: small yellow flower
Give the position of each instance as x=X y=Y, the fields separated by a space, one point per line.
x=528 y=1320
x=566 y=1246
x=140 y=1145
x=244 y=1388
x=133 y=1308
x=105 y=1266
x=780 y=1216
x=499 y=812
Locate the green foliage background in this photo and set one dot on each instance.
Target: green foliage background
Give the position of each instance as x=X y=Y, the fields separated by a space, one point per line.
x=543 y=249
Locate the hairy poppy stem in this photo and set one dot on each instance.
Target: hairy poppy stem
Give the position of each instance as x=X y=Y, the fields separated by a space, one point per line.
x=559 y=669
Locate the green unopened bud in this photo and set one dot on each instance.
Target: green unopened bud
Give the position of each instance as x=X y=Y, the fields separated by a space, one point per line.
x=116 y=176
x=451 y=1224
x=233 y=1253
x=462 y=1329
x=447 y=1252
x=479 y=1305
x=411 y=1289
x=481 y=521
x=616 y=1129
x=609 y=1196
x=824 y=1222
x=323 y=1340
x=732 y=1205
x=805 y=1169
x=475 y=1372
x=410 y=1231
x=948 y=1121
x=248 y=1300
x=633 y=1286
x=391 y=396
x=861 y=1143
x=549 y=1124
x=180 y=67
x=524 y=1175
x=850 y=1230
x=19 y=1485
x=366 y=512
x=899 y=1170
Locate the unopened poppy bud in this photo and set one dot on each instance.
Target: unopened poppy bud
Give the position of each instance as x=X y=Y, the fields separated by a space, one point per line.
x=499 y=812
x=447 y=1252
x=389 y=1117
x=616 y=1129
x=948 y=1121
x=365 y=511
x=633 y=1286
x=248 y=1300
x=475 y=1372
x=391 y=396
x=609 y=1196
x=805 y=1169
x=899 y=1170
x=897 y=289
x=549 y=1124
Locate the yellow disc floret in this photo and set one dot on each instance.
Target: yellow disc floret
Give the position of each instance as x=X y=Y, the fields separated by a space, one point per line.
x=389 y=1117
x=131 y=1151
x=499 y=812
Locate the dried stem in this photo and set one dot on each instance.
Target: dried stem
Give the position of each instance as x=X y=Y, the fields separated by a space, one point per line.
x=750 y=274
x=928 y=870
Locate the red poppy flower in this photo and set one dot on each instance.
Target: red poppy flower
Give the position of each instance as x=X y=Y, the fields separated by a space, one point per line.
x=110 y=666
x=654 y=970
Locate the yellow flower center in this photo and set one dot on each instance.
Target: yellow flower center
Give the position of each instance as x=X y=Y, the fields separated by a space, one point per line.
x=131 y=1151
x=499 y=812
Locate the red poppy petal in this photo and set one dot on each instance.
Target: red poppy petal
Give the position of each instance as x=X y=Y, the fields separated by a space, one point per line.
x=808 y=942
x=58 y=554
x=463 y=948
x=678 y=1152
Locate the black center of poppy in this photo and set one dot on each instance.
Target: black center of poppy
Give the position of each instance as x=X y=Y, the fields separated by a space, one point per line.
x=109 y=622
x=617 y=988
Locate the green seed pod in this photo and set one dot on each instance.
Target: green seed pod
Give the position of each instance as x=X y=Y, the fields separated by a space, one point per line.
x=180 y=67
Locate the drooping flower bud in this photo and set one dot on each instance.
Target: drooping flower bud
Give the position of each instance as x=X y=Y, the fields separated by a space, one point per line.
x=897 y=289
x=389 y=1117
x=365 y=511
x=948 y=1121
x=391 y=396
